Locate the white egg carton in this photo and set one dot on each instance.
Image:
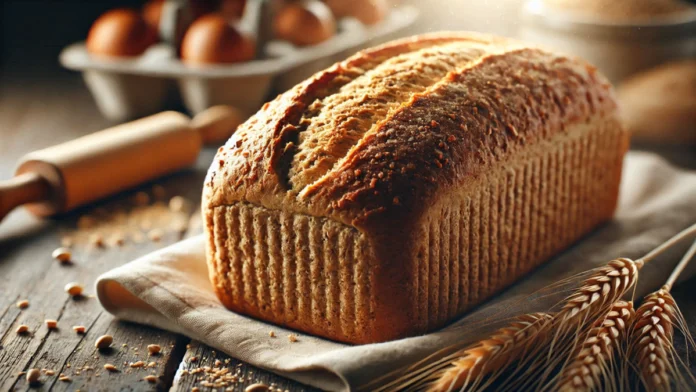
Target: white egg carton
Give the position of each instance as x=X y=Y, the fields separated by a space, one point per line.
x=132 y=87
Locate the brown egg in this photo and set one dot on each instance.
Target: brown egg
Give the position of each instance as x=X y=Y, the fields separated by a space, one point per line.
x=152 y=12
x=121 y=33
x=304 y=23
x=368 y=12
x=212 y=39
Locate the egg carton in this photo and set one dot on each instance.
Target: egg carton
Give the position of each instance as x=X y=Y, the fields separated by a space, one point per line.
x=125 y=88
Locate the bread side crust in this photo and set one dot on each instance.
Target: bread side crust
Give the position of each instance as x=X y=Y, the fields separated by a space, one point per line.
x=471 y=245
x=493 y=112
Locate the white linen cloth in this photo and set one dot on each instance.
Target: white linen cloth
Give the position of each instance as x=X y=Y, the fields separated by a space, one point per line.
x=170 y=289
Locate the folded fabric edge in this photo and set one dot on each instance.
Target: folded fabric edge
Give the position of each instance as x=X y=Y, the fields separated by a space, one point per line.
x=132 y=306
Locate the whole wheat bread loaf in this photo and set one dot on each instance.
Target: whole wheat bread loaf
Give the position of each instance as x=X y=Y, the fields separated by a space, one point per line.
x=388 y=194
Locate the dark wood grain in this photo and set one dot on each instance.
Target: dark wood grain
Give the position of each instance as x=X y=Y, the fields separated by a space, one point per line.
x=247 y=374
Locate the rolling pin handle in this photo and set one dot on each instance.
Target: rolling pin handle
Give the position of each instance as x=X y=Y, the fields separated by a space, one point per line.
x=22 y=189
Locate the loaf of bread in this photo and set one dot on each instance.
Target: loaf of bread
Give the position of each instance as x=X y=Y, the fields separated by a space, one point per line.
x=388 y=194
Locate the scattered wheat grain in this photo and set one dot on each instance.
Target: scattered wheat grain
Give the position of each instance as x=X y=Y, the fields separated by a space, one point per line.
x=111 y=368
x=80 y=329
x=63 y=255
x=154 y=349
x=104 y=342
x=74 y=289
x=33 y=376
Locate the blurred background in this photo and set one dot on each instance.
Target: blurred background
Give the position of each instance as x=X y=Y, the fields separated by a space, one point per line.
x=177 y=56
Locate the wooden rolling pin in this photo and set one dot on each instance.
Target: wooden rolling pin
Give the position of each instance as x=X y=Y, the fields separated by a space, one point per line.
x=59 y=178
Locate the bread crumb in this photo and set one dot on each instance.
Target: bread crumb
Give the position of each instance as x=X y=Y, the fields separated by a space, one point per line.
x=110 y=367
x=22 y=329
x=33 y=376
x=271 y=334
x=64 y=379
x=97 y=240
x=154 y=349
x=63 y=255
x=117 y=240
x=138 y=364
x=292 y=338
x=150 y=378
x=104 y=342
x=23 y=304
x=51 y=324
x=74 y=289
x=79 y=329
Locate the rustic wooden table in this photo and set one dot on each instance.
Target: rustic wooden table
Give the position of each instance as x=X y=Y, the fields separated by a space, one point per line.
x=35 y=114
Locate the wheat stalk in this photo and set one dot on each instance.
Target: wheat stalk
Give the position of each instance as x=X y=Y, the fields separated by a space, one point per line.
x=652 y=341
x=652 y=335
x=489 y=354
x=593 y=361
x=591 y=301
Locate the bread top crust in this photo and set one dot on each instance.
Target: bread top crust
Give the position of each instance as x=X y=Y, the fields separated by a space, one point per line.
x=371 y=141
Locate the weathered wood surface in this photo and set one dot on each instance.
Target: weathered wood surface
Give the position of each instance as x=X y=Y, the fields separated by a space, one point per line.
x=32 y=116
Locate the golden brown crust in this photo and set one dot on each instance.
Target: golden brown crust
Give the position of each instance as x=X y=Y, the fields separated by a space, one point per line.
x=498 y=104
x=436 y=138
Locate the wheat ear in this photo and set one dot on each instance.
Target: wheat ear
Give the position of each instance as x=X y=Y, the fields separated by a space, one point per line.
x=495 y=355
x=652 y=335
x=590 y=302
x=471 y=363
x=593 y=362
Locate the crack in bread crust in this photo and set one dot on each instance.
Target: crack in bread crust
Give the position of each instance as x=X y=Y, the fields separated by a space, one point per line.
x=333 y=125
x=309 y=96
x=458 y=128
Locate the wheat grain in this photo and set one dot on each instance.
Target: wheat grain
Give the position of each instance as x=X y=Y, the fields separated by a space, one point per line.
x=591 y=301
x=651 y=342
x=593 y=360
x=607 y=285
x=651 y=337
x=490 y=354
